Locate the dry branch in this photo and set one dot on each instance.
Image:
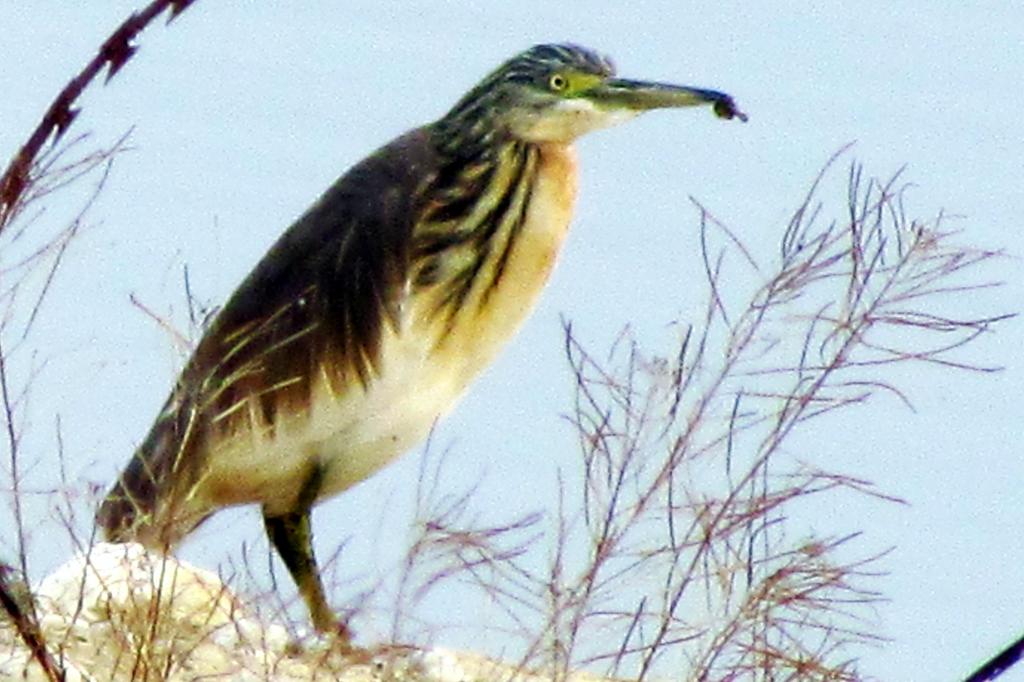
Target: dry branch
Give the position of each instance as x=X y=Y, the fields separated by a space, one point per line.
x=112 y=55
x=669 y=555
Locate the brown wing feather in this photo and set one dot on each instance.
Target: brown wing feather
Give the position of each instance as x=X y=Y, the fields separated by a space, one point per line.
x=319 y=298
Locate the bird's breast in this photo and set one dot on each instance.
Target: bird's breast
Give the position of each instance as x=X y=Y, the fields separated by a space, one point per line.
x=517 y=267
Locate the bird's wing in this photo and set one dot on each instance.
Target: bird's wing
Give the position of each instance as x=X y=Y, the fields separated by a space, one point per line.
x=318 y=301
x=324 y=291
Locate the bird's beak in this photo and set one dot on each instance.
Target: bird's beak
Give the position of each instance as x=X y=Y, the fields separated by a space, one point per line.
x=637 y=96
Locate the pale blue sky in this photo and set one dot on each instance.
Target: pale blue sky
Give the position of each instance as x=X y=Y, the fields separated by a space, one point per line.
x=242 y=117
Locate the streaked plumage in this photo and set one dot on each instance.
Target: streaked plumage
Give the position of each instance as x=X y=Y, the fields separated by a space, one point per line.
x=370 y=316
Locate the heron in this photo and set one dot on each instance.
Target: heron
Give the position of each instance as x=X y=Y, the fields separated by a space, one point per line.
x=370 y=316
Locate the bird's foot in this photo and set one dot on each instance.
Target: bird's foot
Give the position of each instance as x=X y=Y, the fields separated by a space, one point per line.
x=335 y=637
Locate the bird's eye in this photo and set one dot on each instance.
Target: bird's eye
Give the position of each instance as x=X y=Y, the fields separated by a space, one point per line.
x=558 y=82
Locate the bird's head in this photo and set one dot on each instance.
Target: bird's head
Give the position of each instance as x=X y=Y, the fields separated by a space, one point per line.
x=555 y=93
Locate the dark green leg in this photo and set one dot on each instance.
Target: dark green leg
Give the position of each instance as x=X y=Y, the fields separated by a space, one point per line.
x=292 y=537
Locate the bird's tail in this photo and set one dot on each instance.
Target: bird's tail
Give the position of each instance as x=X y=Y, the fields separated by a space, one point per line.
x=147 y=503
x=131 y=505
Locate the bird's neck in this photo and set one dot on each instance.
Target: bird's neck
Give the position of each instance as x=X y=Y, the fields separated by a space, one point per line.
x=472 y=220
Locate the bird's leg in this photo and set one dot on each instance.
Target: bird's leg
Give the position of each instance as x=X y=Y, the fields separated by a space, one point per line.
x=292 y=537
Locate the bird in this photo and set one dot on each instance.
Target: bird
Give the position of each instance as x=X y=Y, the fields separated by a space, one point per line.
x=367 y=320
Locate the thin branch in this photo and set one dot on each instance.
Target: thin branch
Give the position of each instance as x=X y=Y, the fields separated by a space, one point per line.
x=112 y=55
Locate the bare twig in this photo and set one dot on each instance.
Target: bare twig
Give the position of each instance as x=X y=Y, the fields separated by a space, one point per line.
x=1000 y=663
x=20 y=611
x=668 y=562
x=113 y=55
